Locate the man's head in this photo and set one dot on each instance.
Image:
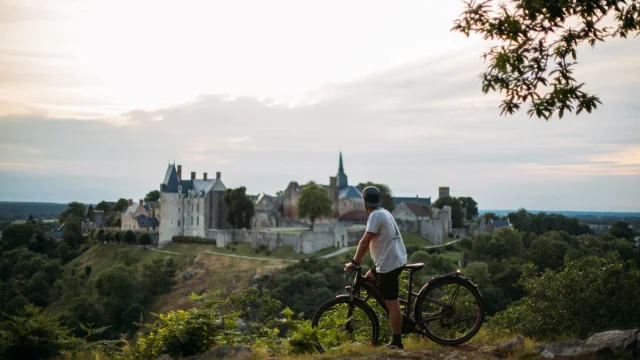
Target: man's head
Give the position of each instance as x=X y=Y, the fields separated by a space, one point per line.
x=371 y=198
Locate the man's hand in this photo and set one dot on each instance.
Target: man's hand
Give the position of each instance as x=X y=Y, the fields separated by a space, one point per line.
x=349 y=267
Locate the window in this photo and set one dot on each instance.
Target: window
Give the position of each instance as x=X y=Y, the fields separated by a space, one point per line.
x=191 y=205
x=198 y=206
x=178 y=209
x=192 y=220
x=198 y=220
x=178 y=222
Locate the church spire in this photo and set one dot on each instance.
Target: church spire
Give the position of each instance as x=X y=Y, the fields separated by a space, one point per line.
x=342 y=177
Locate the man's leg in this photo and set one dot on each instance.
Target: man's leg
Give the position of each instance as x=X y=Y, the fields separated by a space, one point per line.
x=395 y=316
x=389 y=288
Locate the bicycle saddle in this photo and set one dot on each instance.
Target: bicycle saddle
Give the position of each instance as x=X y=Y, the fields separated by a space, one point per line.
x=414 y=267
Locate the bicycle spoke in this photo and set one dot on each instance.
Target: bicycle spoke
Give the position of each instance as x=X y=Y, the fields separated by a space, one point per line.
x=443 y=304
x=455 y=295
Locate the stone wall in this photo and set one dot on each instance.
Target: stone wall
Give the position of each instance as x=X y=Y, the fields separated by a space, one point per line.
x=306 y=242
x=438 y=227
x=171 y=216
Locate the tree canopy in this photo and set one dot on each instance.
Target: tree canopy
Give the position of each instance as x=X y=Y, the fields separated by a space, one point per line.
x=457 y=215
x=74 y=209
x=153 y=195
x=621 y=230
x=470 y=206
x=535 y=62
x=240 y=208
x=314 y=202
x=387 y=196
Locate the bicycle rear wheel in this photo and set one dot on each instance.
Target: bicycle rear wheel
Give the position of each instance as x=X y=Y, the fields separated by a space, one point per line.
x=342 y=321
x=450 y=310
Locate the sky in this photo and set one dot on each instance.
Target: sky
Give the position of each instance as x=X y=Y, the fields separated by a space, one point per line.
x=97 y=97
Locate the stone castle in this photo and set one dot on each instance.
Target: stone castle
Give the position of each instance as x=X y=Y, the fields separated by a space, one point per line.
x=190 y=207
x=195 y=207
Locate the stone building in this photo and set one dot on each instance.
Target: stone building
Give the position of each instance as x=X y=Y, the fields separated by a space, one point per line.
x=409 y=216
x=346 y=199
x=268 y=211
x=138 y=216
x=190 y=207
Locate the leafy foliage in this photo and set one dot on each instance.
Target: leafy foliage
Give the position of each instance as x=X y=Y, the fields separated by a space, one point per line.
x=74 y=210
x=240 y=208
x=575 y=301
x=314 y=202
x=622 y=230
x=385 y=194
x=153 y=195
x=470 y=206
x=457 y=214
x=542 y=222
x=536 y=60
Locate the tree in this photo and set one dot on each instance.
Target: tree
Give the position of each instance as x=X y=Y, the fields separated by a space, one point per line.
x=104 y=206
x=120 y=205
x=72 y=233
x=470 y=206
x=144 y=239
x=90 y=212
x=457 y=215
x=385 y=192
x=621 y=230
x=240 y=208
x=87 y=271
x=153 y=195
x=314 y=202
x=16 y=235
x=74 y=209
x=129 y=237
x=534 y=64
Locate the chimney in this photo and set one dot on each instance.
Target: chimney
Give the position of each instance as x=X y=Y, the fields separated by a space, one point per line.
x=130 y=202
x=193 y=175
x=141 y=202
x=417 y=197
x=179 y=172
x=204 y=176
x=218 y=175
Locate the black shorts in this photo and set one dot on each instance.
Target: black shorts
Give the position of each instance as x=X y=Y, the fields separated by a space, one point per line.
x=388 y=283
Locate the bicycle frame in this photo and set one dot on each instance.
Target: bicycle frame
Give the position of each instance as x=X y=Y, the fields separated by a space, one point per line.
x=373 y=291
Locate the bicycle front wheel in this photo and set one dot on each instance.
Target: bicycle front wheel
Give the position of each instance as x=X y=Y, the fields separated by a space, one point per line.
x=342 y=321
x=450 y=311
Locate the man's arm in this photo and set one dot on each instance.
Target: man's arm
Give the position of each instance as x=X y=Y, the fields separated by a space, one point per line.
x=363 y=246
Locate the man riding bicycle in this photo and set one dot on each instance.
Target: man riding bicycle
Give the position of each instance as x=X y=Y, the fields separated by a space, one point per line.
x=383 y=239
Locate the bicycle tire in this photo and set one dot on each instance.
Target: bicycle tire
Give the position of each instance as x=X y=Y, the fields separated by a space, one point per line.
x=446 y=281
x=357 y=302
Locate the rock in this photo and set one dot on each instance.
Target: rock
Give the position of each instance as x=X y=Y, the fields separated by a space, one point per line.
x=615 y=339
x=488 y=349
x=512 y=346
x=226 y=352
x=164 y=357
x=605 y=345
x=188 y=275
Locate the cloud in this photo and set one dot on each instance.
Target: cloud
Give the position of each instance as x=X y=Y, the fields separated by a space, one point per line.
x=415 y=128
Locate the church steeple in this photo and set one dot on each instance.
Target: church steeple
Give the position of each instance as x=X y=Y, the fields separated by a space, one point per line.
x=342 y=177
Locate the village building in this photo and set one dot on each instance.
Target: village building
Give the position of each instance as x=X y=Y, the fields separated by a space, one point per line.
x=190 y=207
x=138 y=216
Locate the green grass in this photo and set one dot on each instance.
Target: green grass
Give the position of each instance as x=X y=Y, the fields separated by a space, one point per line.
x=248 y=250
x=289 y=231
x=453 y=255
x=325 y=251
x=412 y=239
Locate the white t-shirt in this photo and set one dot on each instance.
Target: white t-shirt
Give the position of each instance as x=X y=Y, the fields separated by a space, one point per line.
x=387 y=248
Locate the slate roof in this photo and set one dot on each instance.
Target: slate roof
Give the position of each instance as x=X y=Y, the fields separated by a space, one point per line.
x=144 y=221
x=421 y=201
x=171 y=181
x=131 y=209
x=416 y=209
x=356 y=215
x=500 y=223
x=351 y=192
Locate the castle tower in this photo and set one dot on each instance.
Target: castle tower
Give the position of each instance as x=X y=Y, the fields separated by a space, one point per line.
x=341 y=176
x=171 y=207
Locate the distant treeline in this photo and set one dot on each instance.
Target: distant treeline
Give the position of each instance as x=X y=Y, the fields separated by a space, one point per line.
x=10 y=211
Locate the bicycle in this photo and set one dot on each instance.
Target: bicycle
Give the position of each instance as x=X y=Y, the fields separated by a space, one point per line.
x=444 y=324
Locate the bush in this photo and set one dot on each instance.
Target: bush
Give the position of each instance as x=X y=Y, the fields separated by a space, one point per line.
x=192 y=240
x=590 y=294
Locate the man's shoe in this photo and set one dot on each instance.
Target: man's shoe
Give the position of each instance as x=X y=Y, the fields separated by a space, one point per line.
x=395 y=347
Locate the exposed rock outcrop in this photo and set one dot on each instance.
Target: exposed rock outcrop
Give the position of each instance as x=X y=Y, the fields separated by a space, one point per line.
x=614 y=344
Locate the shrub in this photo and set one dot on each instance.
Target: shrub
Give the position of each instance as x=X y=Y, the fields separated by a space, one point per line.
x=590 y=294
x=192 y=240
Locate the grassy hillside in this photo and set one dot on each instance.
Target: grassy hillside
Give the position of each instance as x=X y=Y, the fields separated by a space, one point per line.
x=204 y=271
